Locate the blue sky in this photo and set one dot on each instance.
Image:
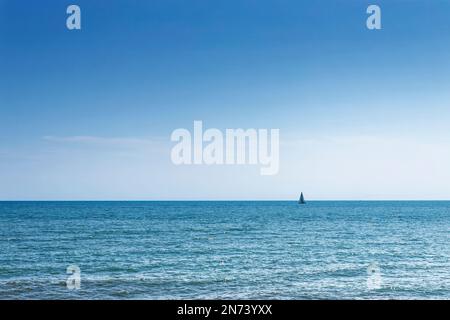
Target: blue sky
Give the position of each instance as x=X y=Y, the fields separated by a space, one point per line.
x=88 y=114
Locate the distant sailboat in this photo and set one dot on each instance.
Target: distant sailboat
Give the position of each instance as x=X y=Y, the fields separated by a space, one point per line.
x=302 y=199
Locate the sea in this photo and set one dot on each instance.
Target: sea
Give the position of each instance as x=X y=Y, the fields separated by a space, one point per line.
x=225 y=250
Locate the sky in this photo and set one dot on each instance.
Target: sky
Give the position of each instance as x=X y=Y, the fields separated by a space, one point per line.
x=88 y=114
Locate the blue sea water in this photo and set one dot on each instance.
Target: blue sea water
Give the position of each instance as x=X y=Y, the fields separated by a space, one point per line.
x=229 y=250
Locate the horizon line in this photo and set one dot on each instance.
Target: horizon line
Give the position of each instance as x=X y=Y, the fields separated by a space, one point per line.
x=220 y=200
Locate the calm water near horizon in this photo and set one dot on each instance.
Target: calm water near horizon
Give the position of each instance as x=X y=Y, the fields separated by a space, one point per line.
x=229 y=250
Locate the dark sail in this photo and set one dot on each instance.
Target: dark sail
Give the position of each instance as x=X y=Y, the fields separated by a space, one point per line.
x=302 y=199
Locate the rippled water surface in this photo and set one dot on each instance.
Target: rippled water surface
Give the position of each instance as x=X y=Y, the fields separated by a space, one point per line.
x=256 y=250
